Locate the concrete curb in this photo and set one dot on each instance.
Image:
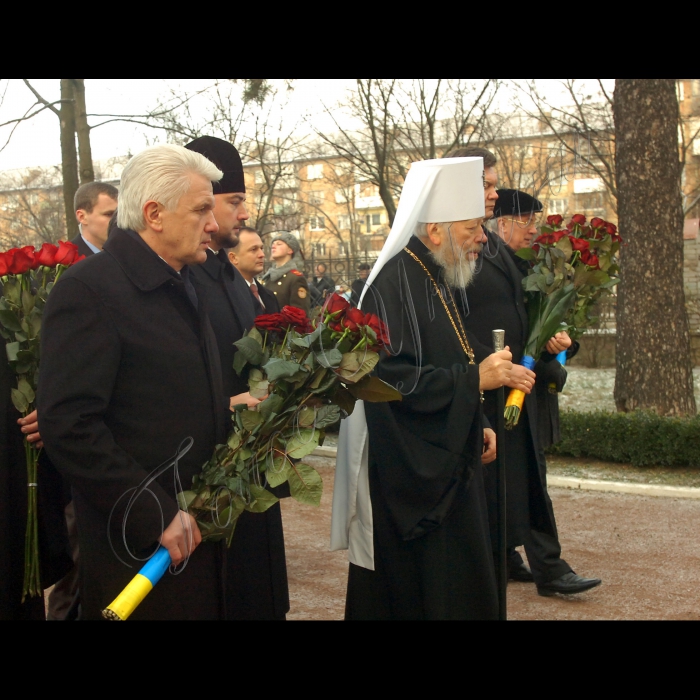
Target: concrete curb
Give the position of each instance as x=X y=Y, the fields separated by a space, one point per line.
x=568 y=482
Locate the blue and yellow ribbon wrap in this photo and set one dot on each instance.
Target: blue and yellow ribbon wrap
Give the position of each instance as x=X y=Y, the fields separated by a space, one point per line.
x=139 y=586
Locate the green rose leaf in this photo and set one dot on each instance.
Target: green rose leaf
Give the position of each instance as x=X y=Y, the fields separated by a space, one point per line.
x=251 y=420
x=262 y=499
x=255 y=334
x=12 y=349
x=305 y=484
x=249 y=352
x=327 y=415
x=307 y=416
x=278 y=473
x=185 y=498
x=526 y=254
x=302 y=443
x=356 y=365
x=279 y=369
x=9 y=320
x=374 y=390
x=329 y=357
x=272 y=404
x=20 y=401
x=28 y=301
x=25 y=387
x=564 y=244
x=344 y=399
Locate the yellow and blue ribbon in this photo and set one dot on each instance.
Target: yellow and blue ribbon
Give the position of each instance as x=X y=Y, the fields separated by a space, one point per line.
x=139 y=586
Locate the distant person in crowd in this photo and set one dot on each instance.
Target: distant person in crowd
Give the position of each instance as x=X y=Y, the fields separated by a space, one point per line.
x=94 y=204
x=248 y=257
x=321 y=285
x=284 y=279
x=256 y=580
x=496 y=300
x=130 y=369
x=359 y=284
x=411 y=507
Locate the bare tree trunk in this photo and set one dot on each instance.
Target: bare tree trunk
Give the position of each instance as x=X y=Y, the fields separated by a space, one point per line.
x=87 y=173
x=653 y=340
x=69 y=156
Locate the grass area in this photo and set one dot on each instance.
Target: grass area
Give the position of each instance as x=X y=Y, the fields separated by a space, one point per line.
x=587 y=468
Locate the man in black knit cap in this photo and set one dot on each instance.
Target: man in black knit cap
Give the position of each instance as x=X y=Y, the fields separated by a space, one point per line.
x=256 y=570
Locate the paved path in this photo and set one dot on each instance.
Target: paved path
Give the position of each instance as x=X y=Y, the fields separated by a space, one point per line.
x=644 y=548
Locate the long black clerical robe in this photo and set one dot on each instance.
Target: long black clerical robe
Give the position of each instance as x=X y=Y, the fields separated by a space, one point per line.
x=495 y=299
x=432 y=550
x=256 y=568
x=130 y=369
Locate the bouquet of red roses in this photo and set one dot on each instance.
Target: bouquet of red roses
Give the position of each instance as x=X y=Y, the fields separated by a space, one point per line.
x=571 y=268
x=27 y=276
x=309 y=373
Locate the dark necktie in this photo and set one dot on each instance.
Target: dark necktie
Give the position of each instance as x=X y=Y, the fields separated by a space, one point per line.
x=256 y=294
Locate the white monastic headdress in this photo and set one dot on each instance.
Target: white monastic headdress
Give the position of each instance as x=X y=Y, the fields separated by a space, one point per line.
x=435 y=191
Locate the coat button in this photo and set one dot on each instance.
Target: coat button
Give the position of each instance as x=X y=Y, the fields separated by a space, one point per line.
x=279 y=283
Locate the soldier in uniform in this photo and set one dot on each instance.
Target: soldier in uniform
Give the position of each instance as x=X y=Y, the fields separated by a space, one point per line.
x=284 y=280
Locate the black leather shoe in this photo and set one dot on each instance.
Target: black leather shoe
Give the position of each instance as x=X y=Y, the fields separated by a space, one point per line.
x=568 y=584
x=521 y=573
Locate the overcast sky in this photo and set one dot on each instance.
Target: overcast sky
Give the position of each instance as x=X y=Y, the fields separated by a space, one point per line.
x=36 y=142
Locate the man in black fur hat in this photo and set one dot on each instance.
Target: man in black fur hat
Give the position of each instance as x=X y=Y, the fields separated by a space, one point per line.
x=496 y=300
x=256 y=570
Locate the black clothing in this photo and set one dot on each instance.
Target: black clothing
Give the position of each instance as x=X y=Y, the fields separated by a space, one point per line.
x=268 y=298
x=549 y=371
x=83 y=247
x=256 y=569
x=129 y=370
x=230 y=310
x=318 y=286
x=516 y=203
x=432 y=549
x=495 y=299
x=357 y=287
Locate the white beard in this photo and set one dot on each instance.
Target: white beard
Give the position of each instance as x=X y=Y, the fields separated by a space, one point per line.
x=457 y=275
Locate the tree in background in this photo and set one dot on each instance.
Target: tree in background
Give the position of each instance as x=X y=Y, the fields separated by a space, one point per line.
x=654 y=369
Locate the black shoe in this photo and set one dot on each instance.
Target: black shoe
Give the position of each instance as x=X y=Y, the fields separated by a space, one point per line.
x=568 y=584
x=521 y=573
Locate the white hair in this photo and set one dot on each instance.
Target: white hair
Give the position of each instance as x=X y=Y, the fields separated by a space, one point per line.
x=162 y=174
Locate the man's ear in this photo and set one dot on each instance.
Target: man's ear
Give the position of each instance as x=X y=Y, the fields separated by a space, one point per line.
x=80 y=215
x=434 y=233
x=152 y=213
x=233 y=258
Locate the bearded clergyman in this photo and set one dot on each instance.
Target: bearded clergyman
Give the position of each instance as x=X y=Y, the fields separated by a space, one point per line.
x=409 y=498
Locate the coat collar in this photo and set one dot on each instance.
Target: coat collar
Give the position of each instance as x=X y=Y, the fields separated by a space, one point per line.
x=142 y=266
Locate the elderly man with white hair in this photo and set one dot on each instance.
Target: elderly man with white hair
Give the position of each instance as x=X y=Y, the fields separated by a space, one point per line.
x=409 y=500
x=130 y=375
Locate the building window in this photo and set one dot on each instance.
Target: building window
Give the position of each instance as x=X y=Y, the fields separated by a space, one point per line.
x=376 y=219
x=344 y=222
x=341 y=249
x=340 y=197
x=316 y=197
x=259 y=177
x=314 y=172
x=317 y=223
x=319 y=248
x=558 y=206
x=288 y=177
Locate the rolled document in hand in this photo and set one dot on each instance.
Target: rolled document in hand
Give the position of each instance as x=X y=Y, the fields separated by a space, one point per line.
x=139 y=587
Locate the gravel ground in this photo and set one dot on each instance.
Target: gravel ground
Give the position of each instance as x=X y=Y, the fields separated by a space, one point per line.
x=643 y=548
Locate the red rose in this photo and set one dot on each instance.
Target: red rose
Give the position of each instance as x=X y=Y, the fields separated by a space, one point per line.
x=597 y=222
x=353 y=319
x=545 y=239
x=271 y=322
x=558 y=235
x=21 y=261
x=611 y=229
x=47 y=255
x=578 y=243
x=554 y=220
x=579 y=219
x=67 y=253
x=294 y=316
x=588 y=258
x=336 y=305
x=378 y=327
x=3 y=264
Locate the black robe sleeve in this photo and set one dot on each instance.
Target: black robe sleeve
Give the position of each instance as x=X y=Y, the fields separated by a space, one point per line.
x=80 y=357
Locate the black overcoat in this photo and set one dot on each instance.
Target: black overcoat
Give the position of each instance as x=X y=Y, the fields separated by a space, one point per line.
x=495 y=299
x=432 y=547
x=256 y=569
x=83 y=247
x=130 y=369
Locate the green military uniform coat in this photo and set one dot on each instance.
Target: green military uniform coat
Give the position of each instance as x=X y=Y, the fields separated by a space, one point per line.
x=291 y=289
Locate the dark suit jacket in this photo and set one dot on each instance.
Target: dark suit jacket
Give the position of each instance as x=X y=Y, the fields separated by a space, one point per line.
x=129 y=370
x=83 y=247
x=269 y=299
x=230 y=309
x=495 y=299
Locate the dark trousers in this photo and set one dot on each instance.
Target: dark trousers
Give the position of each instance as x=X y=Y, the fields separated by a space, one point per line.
x=544 y=556
x=63 y=599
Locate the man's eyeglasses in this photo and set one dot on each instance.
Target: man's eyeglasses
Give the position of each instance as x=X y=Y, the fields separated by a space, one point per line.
x=533 y=220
